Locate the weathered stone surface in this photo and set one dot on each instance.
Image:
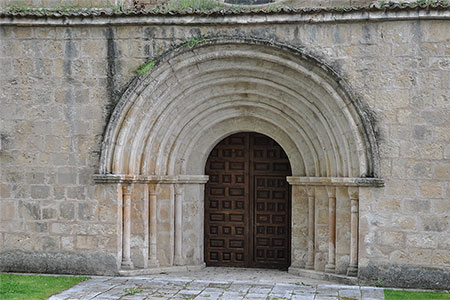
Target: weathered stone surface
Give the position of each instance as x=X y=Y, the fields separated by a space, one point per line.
x=60 y=86
x=100 y=263
x=407 y=276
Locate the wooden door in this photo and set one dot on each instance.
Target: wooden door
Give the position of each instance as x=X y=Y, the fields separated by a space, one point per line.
x=247 y=203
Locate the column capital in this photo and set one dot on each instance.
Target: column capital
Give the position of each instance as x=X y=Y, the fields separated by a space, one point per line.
x=154 y=188
x=353 y=193
x=126 y=189
x=310 y=191
x=179 y=188
x=331 y=191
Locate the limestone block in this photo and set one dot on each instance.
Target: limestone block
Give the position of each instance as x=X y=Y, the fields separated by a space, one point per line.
x=68 y=243
x=67 y=211
x=392 y=238
x=86 y=242
x=421 y=240
x=430 y=189
x=440 y=206
x=442 y=171
x=404 y=222
x=440 y=257
x=50 y=243
x=420 y=256
x=30 y=210
x=437 y=223
x=401 y=187
x=23 y=241
x=77 y=192
x=22 y=32
x=87 y=211
x=8 y=210
x=414 y=206
x=437 y=32
x=48 y=213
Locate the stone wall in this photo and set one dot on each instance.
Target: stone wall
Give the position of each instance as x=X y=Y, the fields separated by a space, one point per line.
x=60 y=84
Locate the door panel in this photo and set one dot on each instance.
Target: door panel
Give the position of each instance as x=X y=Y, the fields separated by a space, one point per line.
x=247 y=207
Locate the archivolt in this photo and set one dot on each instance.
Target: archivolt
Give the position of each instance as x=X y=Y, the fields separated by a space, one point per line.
x=168 y=120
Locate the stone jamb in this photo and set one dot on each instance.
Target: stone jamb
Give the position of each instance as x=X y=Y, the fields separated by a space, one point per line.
x=331 y=183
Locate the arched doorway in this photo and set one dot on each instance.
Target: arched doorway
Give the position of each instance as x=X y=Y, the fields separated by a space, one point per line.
x=158 y=140
x=247 y=203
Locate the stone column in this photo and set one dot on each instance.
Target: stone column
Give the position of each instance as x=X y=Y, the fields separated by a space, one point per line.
x=310 y=190
x=153 y=260
x=354 y=198
x=178 y=224
x=126 y=236
x=330 y=267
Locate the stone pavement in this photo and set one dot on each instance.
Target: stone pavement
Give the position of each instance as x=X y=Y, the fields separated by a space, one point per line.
x=215 y=284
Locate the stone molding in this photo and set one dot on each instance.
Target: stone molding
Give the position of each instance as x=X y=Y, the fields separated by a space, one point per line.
x=350 y=141
x=162 y=179
x=276 y=18
x=336 y=181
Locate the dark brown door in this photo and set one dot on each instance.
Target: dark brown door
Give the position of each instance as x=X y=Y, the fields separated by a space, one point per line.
x=247 y=203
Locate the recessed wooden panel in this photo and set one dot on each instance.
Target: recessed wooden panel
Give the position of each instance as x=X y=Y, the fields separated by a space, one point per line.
x=226 y=204
x=237 y=191
x=217 y=243
x=217 y=192
x=226 y=230
x=226 y=179
x=237 y=166
x=217 y=166
x=237 y=218
x=236 y=244
x=247 y=208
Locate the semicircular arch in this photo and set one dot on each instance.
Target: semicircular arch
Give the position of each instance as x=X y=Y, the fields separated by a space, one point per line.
x=168 y=120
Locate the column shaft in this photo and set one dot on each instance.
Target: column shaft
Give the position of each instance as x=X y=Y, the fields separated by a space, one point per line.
x=153 y=260
x=178 y=225
x=353 y=267
x=331 y=264
x=311 y=227
x=126 y=236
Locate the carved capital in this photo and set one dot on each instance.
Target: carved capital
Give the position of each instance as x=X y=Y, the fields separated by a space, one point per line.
x=353 y=193
x=331 y=191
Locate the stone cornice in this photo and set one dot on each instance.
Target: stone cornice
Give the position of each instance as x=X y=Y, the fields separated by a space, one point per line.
x=166 y=179
x=335 y=181
x=225 y=18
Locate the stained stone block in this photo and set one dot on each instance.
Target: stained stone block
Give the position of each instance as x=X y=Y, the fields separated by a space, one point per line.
x=67 y=211
x=40 y=191
x=86 y=211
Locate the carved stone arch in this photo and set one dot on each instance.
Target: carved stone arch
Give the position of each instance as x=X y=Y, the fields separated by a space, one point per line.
x=230 y=78
x=168 y=120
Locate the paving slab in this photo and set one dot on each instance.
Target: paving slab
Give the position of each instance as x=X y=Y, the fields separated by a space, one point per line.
x=217 y=284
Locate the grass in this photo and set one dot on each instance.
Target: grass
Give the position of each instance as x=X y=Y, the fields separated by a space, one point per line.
x=34 y=287
x=202 y=5
x=405 y=295
x=146 y=67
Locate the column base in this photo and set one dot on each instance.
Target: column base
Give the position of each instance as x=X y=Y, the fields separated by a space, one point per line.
x=309 y=266
x=352 y=271
x=178 y=261
x=341 y=279
x=330 y=268
x=127 y=265
x=152 y=263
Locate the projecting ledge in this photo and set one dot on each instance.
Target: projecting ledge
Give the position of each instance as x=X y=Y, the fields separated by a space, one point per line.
x=336 y=181
x=164 y=179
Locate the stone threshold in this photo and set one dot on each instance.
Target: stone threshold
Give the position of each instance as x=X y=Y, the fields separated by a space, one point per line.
x=159 y=270
x=341 y=279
